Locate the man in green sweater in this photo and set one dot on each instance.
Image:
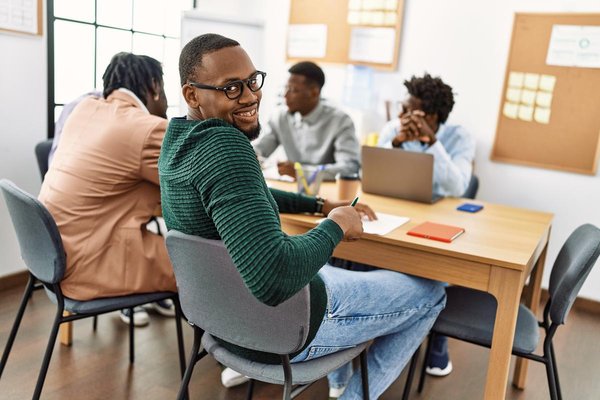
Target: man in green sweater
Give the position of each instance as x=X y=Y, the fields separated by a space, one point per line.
x=212 y=186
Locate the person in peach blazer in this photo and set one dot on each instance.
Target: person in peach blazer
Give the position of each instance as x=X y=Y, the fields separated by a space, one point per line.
x=102 y=186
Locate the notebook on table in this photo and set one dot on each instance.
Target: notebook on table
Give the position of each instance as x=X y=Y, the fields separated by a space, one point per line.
x=398 y=173
x=431 y=230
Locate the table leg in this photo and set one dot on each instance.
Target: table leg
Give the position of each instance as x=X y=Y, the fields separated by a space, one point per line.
x=66 y=331
x=532 y=300
x=505 y=285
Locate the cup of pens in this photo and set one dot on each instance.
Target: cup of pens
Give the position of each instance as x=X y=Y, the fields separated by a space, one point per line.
x=308 y=178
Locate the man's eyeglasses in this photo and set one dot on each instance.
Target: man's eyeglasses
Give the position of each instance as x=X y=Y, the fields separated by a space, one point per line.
x=234 y=90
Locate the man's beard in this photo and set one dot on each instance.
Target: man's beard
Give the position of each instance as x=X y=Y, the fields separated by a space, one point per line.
x=251 y=134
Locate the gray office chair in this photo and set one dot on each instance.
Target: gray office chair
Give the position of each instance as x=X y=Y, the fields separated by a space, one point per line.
x=469 y=314
x=214 y=299
x=472 y=188
x=43 y=253
x=42 y=150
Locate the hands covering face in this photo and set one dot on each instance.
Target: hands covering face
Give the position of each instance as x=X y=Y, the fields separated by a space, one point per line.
x=414 y=126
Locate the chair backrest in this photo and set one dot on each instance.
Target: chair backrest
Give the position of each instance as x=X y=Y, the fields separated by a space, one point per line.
x=42 y=150
x=572 y=266
x=214 y=297
x=37 y=234
x=472 y=188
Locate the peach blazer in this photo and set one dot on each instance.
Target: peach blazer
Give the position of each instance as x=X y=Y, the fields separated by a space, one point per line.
x=102 y=188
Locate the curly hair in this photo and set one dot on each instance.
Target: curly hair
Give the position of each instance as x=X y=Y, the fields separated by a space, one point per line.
x=137 y=73
x=193 y=52
x=435 y=95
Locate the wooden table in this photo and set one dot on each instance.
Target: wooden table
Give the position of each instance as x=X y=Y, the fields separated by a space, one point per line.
x=501 y=247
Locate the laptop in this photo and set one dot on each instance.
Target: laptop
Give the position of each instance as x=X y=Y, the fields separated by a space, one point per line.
x=398 y=173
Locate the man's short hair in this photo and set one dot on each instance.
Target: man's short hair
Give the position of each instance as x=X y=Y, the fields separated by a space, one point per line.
x=193 y=52
x=435 y=95
x=311 y=71
x=137 y=73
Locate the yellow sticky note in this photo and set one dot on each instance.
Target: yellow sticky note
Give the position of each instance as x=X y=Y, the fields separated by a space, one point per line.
x=390 y=18
x=354 y=5
x=542 y=115
x=510 y=110
x=527 y=97
x=353 y=18
x=531 y=81
x=547 y=82
x=515 y=79
x=525 y=113
x=391 y=4
x=513 y=95
x=543 y=99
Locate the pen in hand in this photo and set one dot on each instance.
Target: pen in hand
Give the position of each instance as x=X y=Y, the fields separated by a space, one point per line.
x=354 y=202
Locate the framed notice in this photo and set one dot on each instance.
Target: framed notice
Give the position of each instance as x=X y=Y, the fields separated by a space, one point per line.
x=21 y=16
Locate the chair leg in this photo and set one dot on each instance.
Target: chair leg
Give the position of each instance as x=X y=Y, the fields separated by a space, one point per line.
x=17 y=323
x=48 y=353
x=131 y=339
x=194 y=357
x=550 y=370
x=180 y=344
x=364 y=374
x=411 y=374
x=555 y=370
x=287 y=374
x=95 y=323
x=427 y=353
x=250 y=390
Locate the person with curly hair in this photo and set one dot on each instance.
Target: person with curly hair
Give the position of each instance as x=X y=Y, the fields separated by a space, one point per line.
x=421 y=126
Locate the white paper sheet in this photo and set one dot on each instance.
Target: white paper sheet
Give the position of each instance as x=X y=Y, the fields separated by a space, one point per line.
x=574 y=46
x=307 y=40
x=374 y=45
x=384 y=224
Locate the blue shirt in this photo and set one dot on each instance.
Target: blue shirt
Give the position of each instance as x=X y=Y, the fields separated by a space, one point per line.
x=453 y=155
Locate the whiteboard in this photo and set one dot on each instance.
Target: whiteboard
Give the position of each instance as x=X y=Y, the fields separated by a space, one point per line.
x=248 y=33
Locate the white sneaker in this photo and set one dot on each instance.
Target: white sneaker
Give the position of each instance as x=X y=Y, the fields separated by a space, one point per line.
x=436 y=371
x=140 y=316
x=335 y=393
x=231 y=378
x=165 y=307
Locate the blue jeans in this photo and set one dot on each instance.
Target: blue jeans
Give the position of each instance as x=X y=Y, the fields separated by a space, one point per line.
x=394 y=310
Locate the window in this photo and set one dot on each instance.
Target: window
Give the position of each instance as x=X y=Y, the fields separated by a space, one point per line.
x=83 y=35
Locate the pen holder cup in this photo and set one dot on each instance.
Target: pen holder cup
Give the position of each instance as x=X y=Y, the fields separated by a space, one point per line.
x=311 y=183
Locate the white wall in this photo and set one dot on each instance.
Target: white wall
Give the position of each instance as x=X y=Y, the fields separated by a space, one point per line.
x=466 y=42
x=23 y=115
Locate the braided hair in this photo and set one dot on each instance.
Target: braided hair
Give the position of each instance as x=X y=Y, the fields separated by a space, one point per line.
x=137 y=73
x=191 y=55
x=436 y=97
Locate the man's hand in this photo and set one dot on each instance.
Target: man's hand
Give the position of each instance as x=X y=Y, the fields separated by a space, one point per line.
x=286 y=168
x=414 y=126
x=363 y=209
x=349 y=220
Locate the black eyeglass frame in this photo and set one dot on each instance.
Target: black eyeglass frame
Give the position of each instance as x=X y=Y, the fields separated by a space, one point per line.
x=238 y=84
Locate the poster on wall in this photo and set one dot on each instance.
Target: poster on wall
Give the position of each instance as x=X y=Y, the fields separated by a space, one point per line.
x=22 y=16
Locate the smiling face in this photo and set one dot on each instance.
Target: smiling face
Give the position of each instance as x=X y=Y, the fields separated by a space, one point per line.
x=218 y=69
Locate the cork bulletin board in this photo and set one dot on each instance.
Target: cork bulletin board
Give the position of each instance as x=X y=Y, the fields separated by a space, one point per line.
x=550 y=110
x=358 y=32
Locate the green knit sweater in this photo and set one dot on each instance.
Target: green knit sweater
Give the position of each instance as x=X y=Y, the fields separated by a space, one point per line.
x=212 y=186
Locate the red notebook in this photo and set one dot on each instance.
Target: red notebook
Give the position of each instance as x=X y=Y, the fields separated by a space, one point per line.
x=431 y=230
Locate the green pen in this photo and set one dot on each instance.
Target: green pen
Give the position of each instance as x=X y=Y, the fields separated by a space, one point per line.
x=354 y=202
